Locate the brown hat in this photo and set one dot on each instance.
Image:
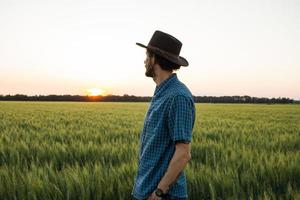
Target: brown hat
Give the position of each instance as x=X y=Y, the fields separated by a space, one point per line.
x=166 y=46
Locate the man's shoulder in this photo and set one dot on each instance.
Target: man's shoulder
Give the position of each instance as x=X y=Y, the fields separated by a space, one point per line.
x=180 y=90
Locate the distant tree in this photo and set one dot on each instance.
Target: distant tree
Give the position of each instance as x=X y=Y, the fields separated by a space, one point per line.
x=132 y=98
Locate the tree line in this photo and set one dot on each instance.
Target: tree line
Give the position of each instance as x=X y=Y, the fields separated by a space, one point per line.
x=132 y=98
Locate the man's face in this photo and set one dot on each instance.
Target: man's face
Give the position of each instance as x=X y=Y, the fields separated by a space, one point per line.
x=149 y=65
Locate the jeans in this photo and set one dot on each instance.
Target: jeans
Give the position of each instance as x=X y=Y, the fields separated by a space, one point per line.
x=168 y=197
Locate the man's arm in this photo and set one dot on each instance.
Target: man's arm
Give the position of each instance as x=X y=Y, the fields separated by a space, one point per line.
x=178 y=162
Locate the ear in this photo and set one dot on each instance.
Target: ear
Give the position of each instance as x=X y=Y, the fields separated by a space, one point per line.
x=152 y=59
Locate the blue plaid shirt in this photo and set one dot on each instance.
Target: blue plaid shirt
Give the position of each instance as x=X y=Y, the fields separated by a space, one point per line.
x=170 y=118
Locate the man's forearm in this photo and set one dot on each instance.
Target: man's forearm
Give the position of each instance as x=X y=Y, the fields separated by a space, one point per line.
x=176 y=165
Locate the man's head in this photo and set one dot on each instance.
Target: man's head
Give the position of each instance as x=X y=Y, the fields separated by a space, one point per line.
x=155 y=63
x=163 y=56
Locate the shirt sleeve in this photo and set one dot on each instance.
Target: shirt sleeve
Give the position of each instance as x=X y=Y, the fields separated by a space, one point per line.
x=181 y=118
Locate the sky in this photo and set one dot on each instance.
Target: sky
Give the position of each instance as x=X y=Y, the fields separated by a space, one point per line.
x=234 y=47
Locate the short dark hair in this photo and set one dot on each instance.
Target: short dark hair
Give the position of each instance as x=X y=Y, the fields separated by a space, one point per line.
x=164 y=63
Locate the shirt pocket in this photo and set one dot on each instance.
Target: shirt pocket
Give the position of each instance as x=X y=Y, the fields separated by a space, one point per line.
x=153 y=119
x=157 y=118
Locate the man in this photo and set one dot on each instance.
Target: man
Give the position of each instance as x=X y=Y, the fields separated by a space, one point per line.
x=167 y=132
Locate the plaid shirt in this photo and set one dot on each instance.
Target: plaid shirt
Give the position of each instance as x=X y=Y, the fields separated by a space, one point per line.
x=170 y=118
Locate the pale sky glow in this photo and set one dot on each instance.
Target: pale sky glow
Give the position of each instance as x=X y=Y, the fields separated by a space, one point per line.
x=66 y=47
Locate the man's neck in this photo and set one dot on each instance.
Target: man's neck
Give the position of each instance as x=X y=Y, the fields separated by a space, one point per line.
x=161 y=77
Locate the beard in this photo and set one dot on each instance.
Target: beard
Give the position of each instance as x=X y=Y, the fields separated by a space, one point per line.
x=150 y=71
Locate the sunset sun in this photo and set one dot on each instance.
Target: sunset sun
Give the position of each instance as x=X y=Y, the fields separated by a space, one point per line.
x=95 y=92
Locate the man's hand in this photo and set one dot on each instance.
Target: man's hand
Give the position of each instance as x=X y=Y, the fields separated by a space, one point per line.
x=154 y=197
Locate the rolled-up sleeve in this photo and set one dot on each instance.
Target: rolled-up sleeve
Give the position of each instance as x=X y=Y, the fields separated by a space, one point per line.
x=181 y=118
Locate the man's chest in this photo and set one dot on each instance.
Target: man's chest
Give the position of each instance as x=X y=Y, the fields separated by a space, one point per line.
x=155 y=125
x=157 y=113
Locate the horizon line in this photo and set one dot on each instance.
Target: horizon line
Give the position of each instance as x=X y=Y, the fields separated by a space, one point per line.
x=150 y=95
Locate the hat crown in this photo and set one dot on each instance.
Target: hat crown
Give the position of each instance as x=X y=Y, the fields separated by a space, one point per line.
x=165 y=42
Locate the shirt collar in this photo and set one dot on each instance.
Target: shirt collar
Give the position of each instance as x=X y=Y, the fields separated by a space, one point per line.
x=164 y=84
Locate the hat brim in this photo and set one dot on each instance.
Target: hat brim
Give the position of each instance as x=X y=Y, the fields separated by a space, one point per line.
x=172 y=58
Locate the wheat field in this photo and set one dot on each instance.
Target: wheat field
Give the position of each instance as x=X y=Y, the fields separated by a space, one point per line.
x=64 y=150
